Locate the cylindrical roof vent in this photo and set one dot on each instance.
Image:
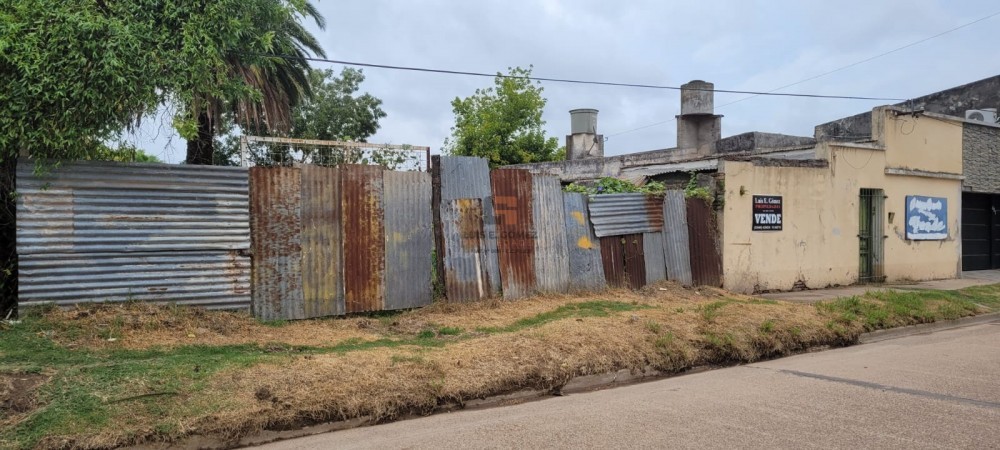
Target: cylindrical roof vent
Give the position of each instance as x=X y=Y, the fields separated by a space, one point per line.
x=583 y=120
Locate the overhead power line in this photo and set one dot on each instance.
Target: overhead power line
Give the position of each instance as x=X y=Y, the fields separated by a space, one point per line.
x=565 y=80
x=856 y=63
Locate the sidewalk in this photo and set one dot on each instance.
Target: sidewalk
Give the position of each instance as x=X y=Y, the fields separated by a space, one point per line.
x=969 y=279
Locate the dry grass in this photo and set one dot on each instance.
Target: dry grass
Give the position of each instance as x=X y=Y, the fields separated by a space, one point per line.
x=236 y=376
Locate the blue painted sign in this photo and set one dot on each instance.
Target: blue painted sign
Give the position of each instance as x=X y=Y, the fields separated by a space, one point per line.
x=926 y=218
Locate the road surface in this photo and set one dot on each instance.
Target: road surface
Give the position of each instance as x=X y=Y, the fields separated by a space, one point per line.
x=939 y=390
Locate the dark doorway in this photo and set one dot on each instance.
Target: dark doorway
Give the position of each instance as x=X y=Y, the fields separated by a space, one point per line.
x=871 y=236
x=980 y=231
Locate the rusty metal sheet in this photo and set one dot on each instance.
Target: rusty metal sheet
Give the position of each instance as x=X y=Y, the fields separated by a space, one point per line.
x=586 y=272
x=465 y=177
x=613 y=261
x=364 y=238
x=551 y=252
x=275 y=209
x=512 y=203
x=677 y=253
x=466 y=277
x=621 y=214
x=408 y=239
x=652 y=249
x=706 y=260
x=322 y=248
x=635 y=260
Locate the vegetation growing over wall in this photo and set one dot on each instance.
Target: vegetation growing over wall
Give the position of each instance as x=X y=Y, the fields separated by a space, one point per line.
x=608 y=185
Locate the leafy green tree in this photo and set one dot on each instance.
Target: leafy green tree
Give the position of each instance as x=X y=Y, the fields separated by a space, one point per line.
x=281 y=84
x=335 y=112
x=502 y=123
x=75 y=73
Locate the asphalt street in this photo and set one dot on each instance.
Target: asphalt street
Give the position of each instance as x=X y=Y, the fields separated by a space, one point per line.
x=939 y=390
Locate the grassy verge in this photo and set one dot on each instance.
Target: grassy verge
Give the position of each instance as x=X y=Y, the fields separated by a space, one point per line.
x=102 y=376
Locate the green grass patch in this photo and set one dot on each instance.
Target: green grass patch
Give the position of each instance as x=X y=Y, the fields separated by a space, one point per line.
x=876 y=310
x=710 y=311
x=450 y=331
x=598 y=308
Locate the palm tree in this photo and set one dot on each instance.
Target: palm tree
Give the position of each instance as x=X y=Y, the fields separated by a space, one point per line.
x=281 y=78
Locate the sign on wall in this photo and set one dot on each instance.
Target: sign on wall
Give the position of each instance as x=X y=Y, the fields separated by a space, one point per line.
x=767 y=213
x=926 y=218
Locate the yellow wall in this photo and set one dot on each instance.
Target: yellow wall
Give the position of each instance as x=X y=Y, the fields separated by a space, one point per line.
x=818 y=244
x=932 y=148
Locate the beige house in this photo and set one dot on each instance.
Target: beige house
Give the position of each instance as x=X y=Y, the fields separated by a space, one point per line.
x=844 y=214
x=905 y=192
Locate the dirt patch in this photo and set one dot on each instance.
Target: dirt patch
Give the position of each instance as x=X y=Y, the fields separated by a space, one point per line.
x=17 y=396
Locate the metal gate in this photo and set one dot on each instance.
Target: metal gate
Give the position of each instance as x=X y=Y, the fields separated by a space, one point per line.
x=980 y=231
x=871 y=236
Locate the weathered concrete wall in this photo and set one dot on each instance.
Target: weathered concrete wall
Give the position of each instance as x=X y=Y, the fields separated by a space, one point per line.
x=955 y=101
x=756 y=141
x=818 y=244
x=981 y=158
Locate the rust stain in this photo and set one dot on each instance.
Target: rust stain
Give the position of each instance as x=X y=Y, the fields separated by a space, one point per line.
x=321 y=242
x=275 y=205
x=364 y=238
x=654 y=211
x=516 y=233
x=635 y=261
x=612 y=258
x=470 y=223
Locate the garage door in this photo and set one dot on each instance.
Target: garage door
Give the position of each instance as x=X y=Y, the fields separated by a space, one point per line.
x=980 y=231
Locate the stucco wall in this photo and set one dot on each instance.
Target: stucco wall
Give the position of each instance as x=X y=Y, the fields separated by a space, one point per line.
x=818 y=245
x=923 y=143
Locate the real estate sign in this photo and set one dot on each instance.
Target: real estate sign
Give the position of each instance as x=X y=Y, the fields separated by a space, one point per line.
x=767 y=213
x=926 y=218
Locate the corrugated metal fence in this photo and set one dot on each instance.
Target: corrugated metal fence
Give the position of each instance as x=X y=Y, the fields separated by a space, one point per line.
x=330 y=241
x=94 y=231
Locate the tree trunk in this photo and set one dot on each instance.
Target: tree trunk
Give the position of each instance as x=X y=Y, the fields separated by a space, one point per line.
x=201 y=150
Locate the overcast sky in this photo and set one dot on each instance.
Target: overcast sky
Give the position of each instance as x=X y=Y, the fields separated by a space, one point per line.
x=736 y=44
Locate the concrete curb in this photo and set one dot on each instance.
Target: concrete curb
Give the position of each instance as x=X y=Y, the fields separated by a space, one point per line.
x=895 y=333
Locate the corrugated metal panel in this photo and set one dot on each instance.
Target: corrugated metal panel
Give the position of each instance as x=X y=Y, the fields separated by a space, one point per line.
x=364 y=238
x=512 y=201
x=652 y=250
x=466 y=278
x=586 y=272
x=86 y=228
x=621 y=214
x=551 y=253
x=92 y=207
x=613 y=261
x=464 y=177
x=635 y=261
x=677 y=253
x=276 y=211
x=408 y=239
x=212 y=279
x=322 y=247
x=706 y=261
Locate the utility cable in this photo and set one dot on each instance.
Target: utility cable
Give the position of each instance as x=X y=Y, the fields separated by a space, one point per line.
x=856 y=63
x=571 y=81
